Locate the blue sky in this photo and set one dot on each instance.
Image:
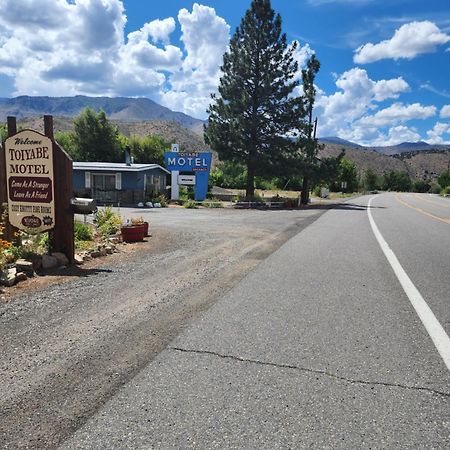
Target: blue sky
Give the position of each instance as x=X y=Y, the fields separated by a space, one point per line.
x=383 y=80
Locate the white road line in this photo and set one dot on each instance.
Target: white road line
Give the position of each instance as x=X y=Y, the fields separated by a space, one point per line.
x=432 y=325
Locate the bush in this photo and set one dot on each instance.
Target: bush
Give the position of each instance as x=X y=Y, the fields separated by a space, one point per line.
x=444 y=179
x=108 y=222
x=82 y=232
x=161 y=199
x=190 y=204
x=213 y=204
x=435 y=188
x=397 y=181
x=421 y=186
x=446 y=191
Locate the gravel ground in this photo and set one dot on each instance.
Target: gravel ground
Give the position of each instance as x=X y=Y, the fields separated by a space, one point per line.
x=71 y=340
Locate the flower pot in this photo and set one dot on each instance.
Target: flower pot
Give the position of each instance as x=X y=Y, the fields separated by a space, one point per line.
x=133 y=233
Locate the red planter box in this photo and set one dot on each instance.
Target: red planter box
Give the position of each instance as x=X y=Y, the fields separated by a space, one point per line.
x=145 y=229
x=133 y=233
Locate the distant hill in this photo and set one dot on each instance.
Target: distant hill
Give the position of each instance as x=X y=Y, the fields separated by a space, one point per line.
x=119 y=108
x=419 y=164
x=170 y=131
x=386 y=150
x=338 y=141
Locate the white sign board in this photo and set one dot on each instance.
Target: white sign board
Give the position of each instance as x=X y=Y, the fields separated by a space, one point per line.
x=186 y=180
x=30 y=181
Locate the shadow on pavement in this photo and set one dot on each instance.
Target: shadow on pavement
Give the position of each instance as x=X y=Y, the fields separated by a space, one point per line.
x=72 y=271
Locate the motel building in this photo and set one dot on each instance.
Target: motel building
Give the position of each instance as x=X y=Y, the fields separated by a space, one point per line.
x=113 y=183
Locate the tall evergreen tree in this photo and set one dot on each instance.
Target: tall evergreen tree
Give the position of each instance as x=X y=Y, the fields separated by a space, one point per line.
x=309 y=145
x=255 y=112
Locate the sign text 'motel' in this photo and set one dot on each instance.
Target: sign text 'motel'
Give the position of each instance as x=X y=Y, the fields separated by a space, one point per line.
x=197 y=163
x=30 y=181
x=192 y=162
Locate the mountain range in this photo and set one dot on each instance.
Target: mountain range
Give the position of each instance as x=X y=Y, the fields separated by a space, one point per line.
x=142 y=117
x=386 y=150
x=117 y=108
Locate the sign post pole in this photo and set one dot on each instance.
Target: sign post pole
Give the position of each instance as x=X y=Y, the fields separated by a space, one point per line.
x=62 y=237
x=9 y=231
x=174 y=187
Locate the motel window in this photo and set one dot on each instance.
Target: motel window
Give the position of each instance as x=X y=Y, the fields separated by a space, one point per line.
x=104 y=182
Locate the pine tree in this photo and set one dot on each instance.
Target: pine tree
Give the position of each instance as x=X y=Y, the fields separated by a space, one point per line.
x=309 y=145
x=255 y=113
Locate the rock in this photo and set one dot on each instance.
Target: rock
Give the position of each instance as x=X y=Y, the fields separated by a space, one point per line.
x=25 y=266
x=78 y=259
x=37 y=262
x=49 y=262
x=20 y=277
x=62 y=259
x=109 y=249
x=103 y=252
x=149 y=205
x=95 y=254
x=87 y=257
x=8 y=276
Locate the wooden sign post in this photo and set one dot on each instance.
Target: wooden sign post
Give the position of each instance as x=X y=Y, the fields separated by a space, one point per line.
x=36 y=183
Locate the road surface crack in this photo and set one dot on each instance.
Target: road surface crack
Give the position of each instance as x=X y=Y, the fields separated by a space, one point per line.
x=314 y=371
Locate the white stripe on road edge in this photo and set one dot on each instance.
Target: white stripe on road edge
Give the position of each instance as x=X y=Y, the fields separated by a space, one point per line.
x=432 y=325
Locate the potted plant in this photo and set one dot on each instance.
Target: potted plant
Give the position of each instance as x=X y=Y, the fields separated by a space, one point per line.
x=134 y=231
x=142 y=222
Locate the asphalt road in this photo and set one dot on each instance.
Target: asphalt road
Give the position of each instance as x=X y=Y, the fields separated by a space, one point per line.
x=72 y=339
x=317 y=347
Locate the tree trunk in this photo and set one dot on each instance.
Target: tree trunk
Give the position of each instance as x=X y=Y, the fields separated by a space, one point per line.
x=250 y=189
x=304 y=198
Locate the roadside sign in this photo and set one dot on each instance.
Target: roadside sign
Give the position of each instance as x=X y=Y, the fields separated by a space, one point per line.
x=30 y=181
x=186 y=180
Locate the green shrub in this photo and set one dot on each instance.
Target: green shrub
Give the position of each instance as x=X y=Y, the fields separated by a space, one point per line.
x=435 y=188
x=161 y=199
x=213 y=204
x=190 y=204
x=445 y=191
x=421 y=186
x=82 y=232
x=444 y=179
x=108 y=222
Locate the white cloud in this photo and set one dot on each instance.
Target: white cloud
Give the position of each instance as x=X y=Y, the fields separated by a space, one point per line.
x=302 y=54
x=397 y=135
x=160 y=30
x=357 y=94
x=397 y=113
x=445 y=111
x=101 y=60
x=435 y=134
x=205 y=37
x=409 y=40
x=385 y=89
x=50 y=14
